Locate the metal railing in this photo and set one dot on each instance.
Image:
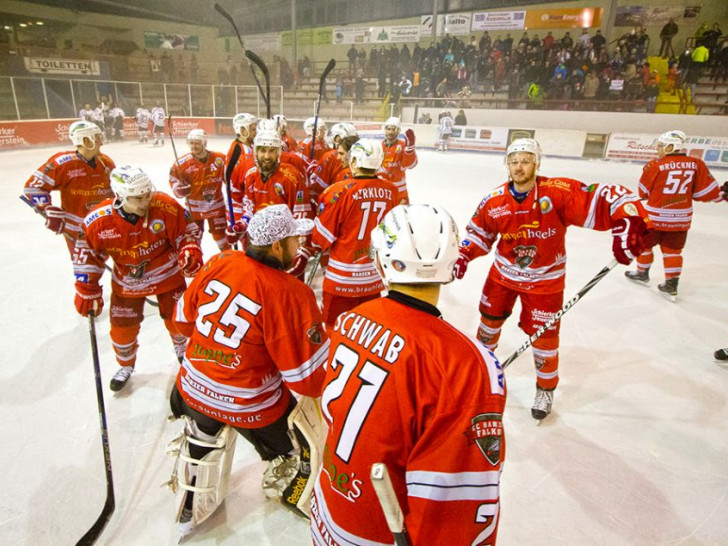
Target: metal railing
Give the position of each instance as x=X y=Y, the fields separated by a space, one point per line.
x=50 y=98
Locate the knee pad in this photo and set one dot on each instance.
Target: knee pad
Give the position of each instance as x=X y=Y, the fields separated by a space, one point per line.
x=204 y=477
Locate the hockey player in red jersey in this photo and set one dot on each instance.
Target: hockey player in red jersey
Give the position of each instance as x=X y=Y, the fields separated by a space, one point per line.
x=348 y=212
x=255 y=333
x=198 y=178
x=245 y=126
x=153 y=243
x=289 y=143
x=407 y=389
x=670 y=183
x=81 y=177
x=524 y=221
x=330 y=166
x=320 y=146
x=399 y=155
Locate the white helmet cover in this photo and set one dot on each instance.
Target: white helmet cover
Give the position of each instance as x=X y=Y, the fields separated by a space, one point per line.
x=197 y=134
x=129 y=181
x=341 y=130
x=267 y=137
x=243 y=121
x=266 y=124
x=527 y=145
x=392 y=122
x=368 y=153
x=416 y=244
x=675 y=138
x=308 y=125
x=79 y=130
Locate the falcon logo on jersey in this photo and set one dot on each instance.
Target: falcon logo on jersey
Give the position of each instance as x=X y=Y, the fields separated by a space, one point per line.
x=314 y=334
x=137 y=271
x=486 y=432
x=524 y=255
x=208 y=194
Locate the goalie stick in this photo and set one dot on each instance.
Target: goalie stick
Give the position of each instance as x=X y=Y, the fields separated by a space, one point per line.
x=92 y=535
x=250 y=56
x=568 y=305
x=70 y=237
x=389 y=503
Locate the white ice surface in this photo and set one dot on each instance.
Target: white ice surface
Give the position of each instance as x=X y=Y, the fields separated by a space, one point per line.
x=636 y=451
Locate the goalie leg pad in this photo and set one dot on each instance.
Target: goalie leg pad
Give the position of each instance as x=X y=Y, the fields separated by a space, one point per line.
x=308 y=431
x=205 y=475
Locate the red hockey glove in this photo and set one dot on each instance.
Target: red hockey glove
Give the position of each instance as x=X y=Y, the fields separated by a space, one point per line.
x=724 y=191
x=181 y=189
x=55 y=219
x=461 y=266
x=628 y=238
x=312 y=167
x=409 y=137
x=189 y=259
x=299 y=263
x=235 y=232
x=89 y=297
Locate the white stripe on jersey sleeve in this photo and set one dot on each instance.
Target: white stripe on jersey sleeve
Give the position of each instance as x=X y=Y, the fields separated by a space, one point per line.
x=309 y=366
x=453 y=486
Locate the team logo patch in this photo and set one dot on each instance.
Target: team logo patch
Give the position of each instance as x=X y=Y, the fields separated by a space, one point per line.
x=157 y=225
x=314 y=334
x=545 y=204
x=486 y=432
x=137 y=271
x=524 y=255
x=278 y=189
x=208 y=195
x=219 y=162
x=299 y=196
x=631 y=210
x=398 y=265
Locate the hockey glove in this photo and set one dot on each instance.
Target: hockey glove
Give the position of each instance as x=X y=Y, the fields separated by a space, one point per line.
x=300 y=261
x=89 y=297
x=628 y=238
x=461 y=266
x=189 y=259
x=724 y=191
x=409 y=137
x=235 y=232
x=181 y=189
x=55 y=219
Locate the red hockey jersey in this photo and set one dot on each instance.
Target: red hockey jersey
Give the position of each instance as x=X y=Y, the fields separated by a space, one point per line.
x=253 y=332
x=304 y=147
x=670 y=184
x=207 y=180
x=82 y=185
x=530 y=253
x=245 y=151
x=144 y=254
x=286 y=185
x=348 y=212
x=406 y=388
x=397 y=159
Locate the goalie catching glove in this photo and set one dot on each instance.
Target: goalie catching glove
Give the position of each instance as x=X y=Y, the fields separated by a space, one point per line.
x=628 y=238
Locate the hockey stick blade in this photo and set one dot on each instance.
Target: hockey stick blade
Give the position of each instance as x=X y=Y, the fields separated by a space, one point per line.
x=70 y=237
x=390 y=505
x=92 y=535
x=568 y=305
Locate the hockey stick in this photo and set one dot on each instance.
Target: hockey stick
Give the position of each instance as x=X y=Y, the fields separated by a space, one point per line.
x=314 y=267
x=568 y=305
x=97 y=528
x=317 y=106
x=250 y=56
x=70 y=237
x=388 y=501
x=228 y=187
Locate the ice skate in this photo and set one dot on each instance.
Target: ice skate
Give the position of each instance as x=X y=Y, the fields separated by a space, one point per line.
x=721 y=355
x=668 y=289
x=278 y=475
x=121 y=378
x=640 y=277
x=542 y=404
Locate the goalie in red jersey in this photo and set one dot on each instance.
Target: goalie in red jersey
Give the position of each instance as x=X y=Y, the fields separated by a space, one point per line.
x=524 y=222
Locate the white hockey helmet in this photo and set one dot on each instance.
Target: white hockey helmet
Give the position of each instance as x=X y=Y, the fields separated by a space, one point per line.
x=416 y=244
x=197 y=134
x=676 y=139
x=308 y=125
x=527 y=145
x=394 y=121
x=266 y=124
x=368 y=154
x=341 y=130
x=281 y=123
x=243 y=121
x=129 y=181
x=268 y=138
x=80 y=130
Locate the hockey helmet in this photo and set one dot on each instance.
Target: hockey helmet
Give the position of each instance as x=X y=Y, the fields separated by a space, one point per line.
x=341 y=130
x=416 y=244
x=78 y=131
x=308 y=125
x=129 y=181
x=197 y=134
x=368 y=154
x=267 y=137
x=281 y=123
x=243 y=121
x=526 y=145
x=394 y=121
x=676 y=139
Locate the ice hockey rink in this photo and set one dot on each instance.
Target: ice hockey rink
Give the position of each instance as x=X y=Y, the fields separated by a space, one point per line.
x=635 y=451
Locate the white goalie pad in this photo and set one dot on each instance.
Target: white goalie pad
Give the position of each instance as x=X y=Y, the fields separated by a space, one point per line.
x=207 y=478
x=308 y=431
